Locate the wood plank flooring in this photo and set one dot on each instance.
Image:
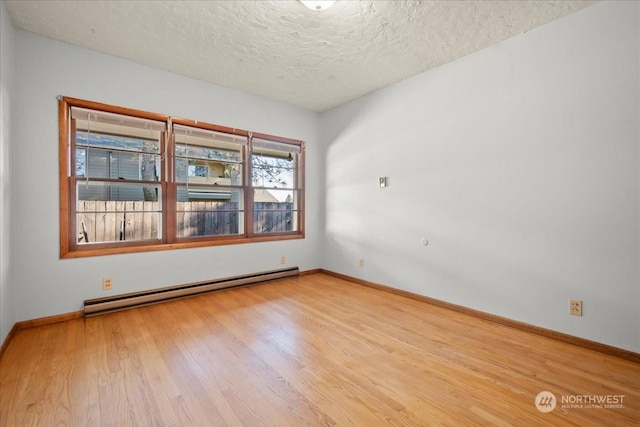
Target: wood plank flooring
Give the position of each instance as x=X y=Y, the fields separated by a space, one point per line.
x=314 y=350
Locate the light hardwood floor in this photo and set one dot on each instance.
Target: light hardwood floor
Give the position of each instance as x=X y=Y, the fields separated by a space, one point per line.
x=314 y=350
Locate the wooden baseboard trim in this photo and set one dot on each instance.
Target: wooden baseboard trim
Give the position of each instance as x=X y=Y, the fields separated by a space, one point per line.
x=26 y=324
x=314 y=271
x=582 y=342
x=7 y=340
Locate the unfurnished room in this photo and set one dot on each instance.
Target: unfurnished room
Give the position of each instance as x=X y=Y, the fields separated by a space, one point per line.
x=350 y=213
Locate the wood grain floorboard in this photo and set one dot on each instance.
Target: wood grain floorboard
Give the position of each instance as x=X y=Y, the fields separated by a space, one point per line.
x=315 y=350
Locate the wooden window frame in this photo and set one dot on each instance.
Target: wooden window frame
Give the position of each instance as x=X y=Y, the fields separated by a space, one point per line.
x=69 y=246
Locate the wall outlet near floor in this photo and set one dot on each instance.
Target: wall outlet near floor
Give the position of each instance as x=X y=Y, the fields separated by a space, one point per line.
x=575 y=307
x=361 y=263
x=283 y=259
x=107 y=284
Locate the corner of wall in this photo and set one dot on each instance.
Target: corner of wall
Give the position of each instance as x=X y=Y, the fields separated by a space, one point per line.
x=7 y=310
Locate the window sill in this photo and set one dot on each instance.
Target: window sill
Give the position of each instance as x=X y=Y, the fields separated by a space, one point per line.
x=116 y=248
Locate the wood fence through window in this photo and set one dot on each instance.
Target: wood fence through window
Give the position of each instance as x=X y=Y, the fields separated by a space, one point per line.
x=111 y=221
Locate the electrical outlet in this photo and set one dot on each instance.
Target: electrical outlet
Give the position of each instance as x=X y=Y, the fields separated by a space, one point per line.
x=361 y=263
x=575 y=307
x=283 y=259
x=107 y=284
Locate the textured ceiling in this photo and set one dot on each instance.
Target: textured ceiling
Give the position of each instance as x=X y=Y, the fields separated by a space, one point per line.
x=282 y=50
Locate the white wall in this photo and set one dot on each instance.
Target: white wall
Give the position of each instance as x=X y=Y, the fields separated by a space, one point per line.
x=44 y=284
x=519 y=163
x=7 y=313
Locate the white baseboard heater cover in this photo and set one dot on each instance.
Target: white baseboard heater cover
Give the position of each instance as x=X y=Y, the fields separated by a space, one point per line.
x=96 y=306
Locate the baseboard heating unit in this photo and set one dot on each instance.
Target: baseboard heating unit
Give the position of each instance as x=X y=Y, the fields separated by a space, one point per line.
x=96 y=306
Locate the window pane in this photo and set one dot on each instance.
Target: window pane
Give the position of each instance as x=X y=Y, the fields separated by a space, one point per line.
x=207 y=157
x=208 y=172
x=108 y=148
x=121 y=142
x=117 y=165
x=270 y=169
x=275 y=211
x=209 y=211
x=109 y=191
x=107 y=212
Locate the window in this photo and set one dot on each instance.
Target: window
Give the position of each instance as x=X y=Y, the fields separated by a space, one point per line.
x=209 y=178
x=117 y=189
x=135 y=181
x=276 y=185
